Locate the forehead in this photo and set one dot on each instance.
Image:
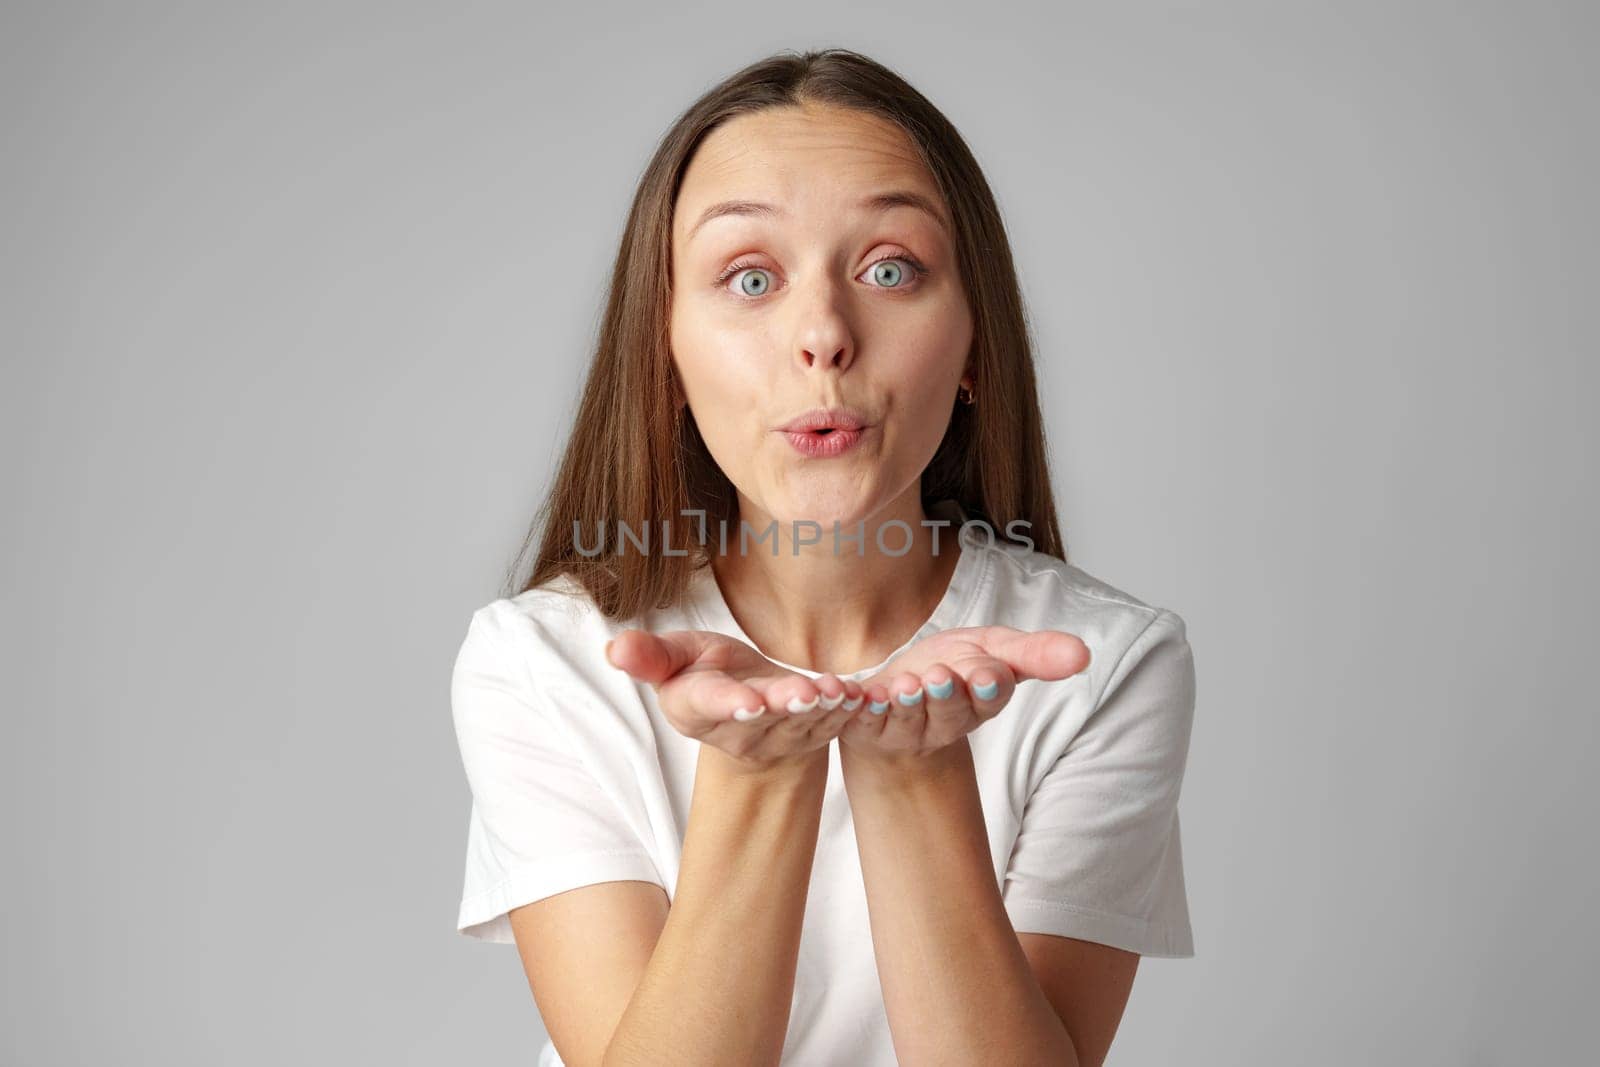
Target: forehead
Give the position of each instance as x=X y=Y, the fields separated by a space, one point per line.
x=818 y=155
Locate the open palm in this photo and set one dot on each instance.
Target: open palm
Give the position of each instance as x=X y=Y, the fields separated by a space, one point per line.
x=950 y=683
x=725 y=693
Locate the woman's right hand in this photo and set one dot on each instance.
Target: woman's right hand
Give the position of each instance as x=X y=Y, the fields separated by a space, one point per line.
x=724 y=693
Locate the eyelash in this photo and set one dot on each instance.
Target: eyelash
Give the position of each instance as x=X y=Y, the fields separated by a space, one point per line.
x=917 y=269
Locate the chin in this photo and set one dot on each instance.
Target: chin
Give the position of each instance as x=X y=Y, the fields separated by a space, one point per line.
x=824 y=504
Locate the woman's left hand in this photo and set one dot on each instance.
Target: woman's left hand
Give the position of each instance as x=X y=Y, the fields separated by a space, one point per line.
x=955 y=680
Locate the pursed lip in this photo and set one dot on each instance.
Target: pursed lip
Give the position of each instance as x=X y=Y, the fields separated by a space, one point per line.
x=825 y=419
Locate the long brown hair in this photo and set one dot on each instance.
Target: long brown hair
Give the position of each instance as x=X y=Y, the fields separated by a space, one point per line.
x=632 y=457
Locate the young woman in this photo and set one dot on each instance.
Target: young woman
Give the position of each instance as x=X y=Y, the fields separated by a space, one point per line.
x=894 y=782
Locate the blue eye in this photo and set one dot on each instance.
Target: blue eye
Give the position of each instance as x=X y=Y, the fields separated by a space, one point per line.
x=892 y=272
x=888 y=272
x=761 y=285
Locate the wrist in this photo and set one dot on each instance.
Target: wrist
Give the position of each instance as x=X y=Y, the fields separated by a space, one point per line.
x=868 y=764
x=783 y=770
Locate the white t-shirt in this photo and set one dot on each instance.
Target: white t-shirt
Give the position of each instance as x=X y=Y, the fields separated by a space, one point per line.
x=577 y=777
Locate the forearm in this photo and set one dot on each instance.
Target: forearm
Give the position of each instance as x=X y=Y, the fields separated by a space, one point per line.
x=956 y=985
x=719 y=984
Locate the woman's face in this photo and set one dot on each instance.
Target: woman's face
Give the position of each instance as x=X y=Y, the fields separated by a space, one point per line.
x=806 y=293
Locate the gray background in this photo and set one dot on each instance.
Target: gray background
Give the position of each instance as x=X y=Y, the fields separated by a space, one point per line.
x=295 y=306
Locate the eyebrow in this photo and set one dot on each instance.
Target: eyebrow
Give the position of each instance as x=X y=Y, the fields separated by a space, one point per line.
x=877 y=202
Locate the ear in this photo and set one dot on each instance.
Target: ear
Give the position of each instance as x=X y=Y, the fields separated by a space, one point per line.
x=680 y=400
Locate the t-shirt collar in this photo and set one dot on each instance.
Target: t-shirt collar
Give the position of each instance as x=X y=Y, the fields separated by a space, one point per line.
x=710 y=607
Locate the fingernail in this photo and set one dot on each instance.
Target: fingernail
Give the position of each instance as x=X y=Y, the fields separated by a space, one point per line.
x=942 y=690
x=986 y=691
x=745 y=714
x=911 y=699
x=829 y=703
x=877 y=708
x=799 y=708
x=608 y=651
x=853 y=703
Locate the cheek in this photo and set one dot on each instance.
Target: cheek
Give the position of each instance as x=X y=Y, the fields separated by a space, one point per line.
x=928 y=357
x=925 y=364
x=720 y=370
x=696 y=352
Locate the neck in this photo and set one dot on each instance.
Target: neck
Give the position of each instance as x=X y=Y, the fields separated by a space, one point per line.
x=843 y=611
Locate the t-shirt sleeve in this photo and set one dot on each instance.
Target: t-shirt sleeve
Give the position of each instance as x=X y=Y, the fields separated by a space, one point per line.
x=540 y=822
x=1098 y=856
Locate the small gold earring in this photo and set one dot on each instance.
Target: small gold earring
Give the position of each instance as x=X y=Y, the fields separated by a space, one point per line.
x=966 y=394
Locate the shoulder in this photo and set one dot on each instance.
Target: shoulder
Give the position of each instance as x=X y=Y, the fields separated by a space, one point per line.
x=549 y=613
x=1032 y=590
x=536 y=662
x=1134 y=706
x=554 y=633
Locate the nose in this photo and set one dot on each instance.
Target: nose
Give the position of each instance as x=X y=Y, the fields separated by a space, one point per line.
x=839 y=359
x=824 y=343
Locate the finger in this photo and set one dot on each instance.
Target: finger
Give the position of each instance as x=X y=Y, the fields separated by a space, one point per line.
x=832 y=720
x=654 y=658
x=1047 y=655
x=700 y=700
x=831 y=692
x=795 y=694
x=867 y=720
x=906 y=715
x=878 y=701
x=946 y=695
x=746 y=732
x=794 y=705
x=818 y=715
x=758 y=724
x=990 y=686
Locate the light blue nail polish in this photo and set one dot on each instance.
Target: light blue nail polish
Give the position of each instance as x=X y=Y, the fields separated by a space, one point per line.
x=877 y=708
x=911 y=699
x=986 y=691
x=942 y=691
